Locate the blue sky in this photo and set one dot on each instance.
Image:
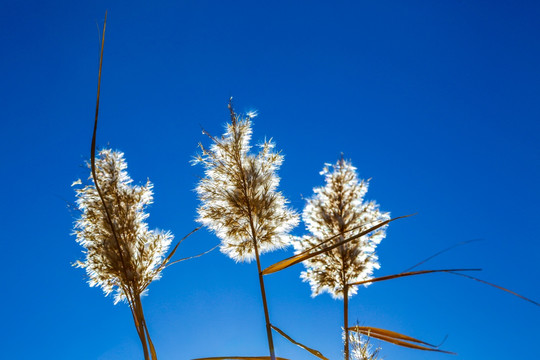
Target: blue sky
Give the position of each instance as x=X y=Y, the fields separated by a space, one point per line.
x=436 y=101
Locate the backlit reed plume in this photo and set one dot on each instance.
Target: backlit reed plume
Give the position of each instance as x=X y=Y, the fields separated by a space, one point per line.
x=122 y=255
x=361 y=348
x=239 y=198
x=338 y=210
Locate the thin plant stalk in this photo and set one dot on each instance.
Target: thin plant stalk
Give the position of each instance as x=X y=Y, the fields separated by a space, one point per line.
x=240 y=201
x=138 y=326
x=265 y=305
x=134 y=299
x=346 y=320
x=256 y=248
x=144 y=329
x=336 y=209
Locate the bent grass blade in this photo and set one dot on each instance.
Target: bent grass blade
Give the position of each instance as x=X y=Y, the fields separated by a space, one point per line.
x=240 y=358
x=405 y=274
x=293 y=260
x=313 y=351
x=396 y=338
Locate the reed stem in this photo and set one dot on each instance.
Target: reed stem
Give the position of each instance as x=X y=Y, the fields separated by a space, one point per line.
x=144 y=335
x=265 y=305
x=238 y=160
x=346 y=319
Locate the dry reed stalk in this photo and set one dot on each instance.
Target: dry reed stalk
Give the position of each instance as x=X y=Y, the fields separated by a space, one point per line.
x=335 y=211
x=122 y=255
x=240 y=201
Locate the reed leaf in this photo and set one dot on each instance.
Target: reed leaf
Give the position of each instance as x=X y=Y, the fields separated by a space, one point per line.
x=293 y=260
x=411 y=273
x=150 y=343
x=334 y=236
x=397 y=338
x=496 y=286
x=441 y=252
x=166 y=263
x=93 y=152
x=313 y=351
x=193 y=257
x=371 y=331
x=168 y=258
x=449 y=271
x=240 y=358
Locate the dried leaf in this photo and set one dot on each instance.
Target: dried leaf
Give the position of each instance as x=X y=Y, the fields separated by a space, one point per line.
x=441 y=252
x=150 y=343
x=176 y=247
x=93 y=151
x=283 y=264
x=193 y=257
x=498 y=287
x=411 y=273
x=313 y=351
x=168 y=258
x=240 y=358
x=396 y=338
x=409 y=345
x=449 y=271
x=371 y=331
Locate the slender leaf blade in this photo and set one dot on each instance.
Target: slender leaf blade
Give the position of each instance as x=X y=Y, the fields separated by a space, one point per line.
x=441 y=252
x=168 y=258
x=150 y=343
x=371 y=331
x=410 y=273
x=313 y=351
x=397 y=339
x=496 y=286
x=409 y=345
x=193 y=257
x=293 y=260
x=240 y=358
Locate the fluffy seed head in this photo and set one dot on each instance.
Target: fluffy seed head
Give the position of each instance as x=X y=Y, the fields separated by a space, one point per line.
x=338 y=209
x=361 y=349
x=239 y=197
x=129 y=261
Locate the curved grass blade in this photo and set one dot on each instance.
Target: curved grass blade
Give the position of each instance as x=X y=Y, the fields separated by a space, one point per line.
x=496 y=286
x=93 y=153
x=240 y=358
x=371 y=331
x=397 y=339
x=411 y=273
x=194 y=256
x=168 y=258
x=335 y=236
x=143 y=334
x=293 y=260
x=313 y=351
x=449 y=271
x=441 y=252
x=410 y=345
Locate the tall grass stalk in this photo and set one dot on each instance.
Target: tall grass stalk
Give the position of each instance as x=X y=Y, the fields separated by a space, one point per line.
x=337 y=211
x=122 y=255
x=240 y=201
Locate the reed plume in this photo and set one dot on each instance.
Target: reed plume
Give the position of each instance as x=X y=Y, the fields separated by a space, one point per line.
x=122 y=256
x=240 y=201
x=361 y=348
x=338 y=211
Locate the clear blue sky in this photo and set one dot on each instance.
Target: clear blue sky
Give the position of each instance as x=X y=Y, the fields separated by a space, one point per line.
x=436 y=101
